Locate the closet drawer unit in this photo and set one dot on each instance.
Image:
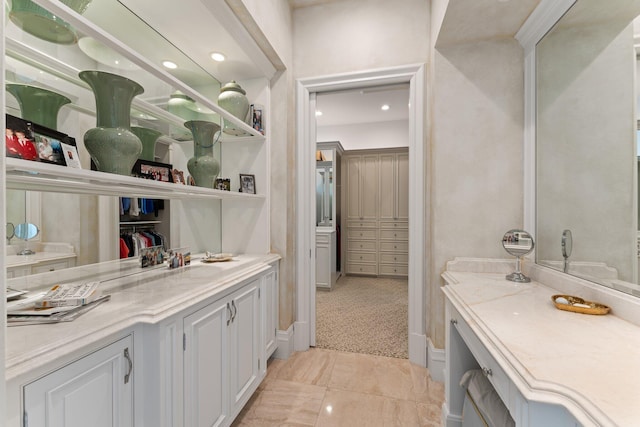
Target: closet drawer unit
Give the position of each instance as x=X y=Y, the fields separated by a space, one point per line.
x=323 y=238
x=361 y=245
x=361 y=234
x=361 y=224
x=395 y=225
x=357 y=257
x=368 y=269
x=394 y=258
x=399 y=247
x=394 y=234
x=394 y=270
x=488 y=364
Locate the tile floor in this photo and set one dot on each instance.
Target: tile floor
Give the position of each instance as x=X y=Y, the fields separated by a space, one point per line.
x=331 y=388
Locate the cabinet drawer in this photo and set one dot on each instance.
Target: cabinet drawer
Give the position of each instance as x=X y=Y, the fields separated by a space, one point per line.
x=395 y=225
x=361 y=245
x=394 y=258
x=355 y=268
x=323 y=238
x=394 y=247
x=394 y=234
x=49 y=267
x=487 y=363
x=353 y=256
x=393 y=270
x=361 y=224
x=362 y=234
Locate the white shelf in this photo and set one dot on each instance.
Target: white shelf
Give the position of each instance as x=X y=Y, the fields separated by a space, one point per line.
x=37 y=176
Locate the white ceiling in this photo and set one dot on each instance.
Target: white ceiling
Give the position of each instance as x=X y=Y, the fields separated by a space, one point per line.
x=363 y=105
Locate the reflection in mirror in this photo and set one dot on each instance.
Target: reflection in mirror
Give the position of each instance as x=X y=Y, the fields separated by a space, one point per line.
x=517 y=243
x=567 y=247
x=586 y=143
x=324 y=194
x=26 y=231
x=10 y=232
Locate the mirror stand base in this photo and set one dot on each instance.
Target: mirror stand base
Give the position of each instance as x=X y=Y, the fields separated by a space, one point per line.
x=518 y=277
x=26 y=252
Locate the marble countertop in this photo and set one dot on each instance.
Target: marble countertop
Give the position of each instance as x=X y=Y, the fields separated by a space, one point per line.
x=147 y=297
x=27 y=260
x=586 y=363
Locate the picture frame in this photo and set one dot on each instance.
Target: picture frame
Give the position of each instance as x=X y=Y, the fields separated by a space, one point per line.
x=153 y=170
x=71 y=157
x=178 y=177
x=223 y=184
x=31 y=141
x=256 y=115
x=247 y=183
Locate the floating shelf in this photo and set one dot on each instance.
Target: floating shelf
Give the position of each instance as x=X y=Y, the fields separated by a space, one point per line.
x=37 y=176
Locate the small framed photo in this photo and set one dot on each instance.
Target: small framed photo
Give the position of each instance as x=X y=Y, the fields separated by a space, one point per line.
x=223 y=184
x=247 y=183
x=153 y=170
x=178 y=177
x=257 y=117
x=70 y=153
x=31 y=141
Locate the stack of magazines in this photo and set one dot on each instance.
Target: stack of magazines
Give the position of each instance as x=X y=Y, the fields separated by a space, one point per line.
x=61 y=303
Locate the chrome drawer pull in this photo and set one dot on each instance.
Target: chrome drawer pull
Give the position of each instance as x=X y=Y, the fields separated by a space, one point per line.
x=130 y=363
x=454 y=321
x=487 y=372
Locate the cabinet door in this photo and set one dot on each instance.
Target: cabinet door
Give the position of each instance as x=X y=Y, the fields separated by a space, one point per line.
x=244 y=344
x=94 y=390
x=353 y=187
x=402 y=186
x=269 y=314
x=369 y=187
x=205 y=366
x=387 y=186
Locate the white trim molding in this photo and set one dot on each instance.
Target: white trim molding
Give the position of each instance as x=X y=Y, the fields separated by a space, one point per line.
x=435 y=361
x=284 y=340
x=415 y=75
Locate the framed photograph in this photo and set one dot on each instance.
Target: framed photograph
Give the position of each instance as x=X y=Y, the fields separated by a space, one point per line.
x=178 y=177
x=153 y=170
x=257 y=117
x=70 y=153
x=31 y=141
x=247 y=183
x=223 y=184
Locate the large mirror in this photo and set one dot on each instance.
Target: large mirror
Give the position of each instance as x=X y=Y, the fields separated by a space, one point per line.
x=586 y=143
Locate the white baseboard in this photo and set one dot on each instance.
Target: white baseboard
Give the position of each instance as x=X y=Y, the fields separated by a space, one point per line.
x=285 y=344
x=418 y=349
x=450 y=420
x=301 y=336
x=435 y=362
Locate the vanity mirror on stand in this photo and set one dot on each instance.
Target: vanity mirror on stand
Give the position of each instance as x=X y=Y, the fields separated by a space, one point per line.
x=518 y=243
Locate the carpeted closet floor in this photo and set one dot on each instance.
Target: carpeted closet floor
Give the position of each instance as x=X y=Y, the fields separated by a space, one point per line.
x=364 y=315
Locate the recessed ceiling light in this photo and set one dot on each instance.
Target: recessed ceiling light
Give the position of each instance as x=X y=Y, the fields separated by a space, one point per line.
x=318 y=113
x=385 y=107
x=217 y=56
x=170 y=65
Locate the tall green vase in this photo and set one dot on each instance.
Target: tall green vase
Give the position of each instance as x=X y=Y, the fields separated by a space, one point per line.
x=203 y=167
x=149 y=137
x=112 y=145
x=38 y=105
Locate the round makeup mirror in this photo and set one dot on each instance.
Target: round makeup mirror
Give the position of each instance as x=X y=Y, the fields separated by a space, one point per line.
x=517 y=243
x=567 y=243
x=10 y=232
x=26 y=231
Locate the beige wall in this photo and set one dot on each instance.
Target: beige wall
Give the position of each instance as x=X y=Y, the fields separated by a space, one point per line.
x=476 y=158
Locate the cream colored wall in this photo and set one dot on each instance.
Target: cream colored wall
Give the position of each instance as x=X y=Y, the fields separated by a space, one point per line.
x=476 y=158
x=356 y=35
x=274 y=19
x=361 y=136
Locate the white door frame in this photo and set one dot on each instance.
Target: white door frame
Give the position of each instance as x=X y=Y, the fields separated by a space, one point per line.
x=415 y=75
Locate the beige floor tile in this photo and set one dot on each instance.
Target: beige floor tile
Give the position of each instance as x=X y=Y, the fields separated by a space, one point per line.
x=273 y=367
x=283 y=403
x=309 y=367
x=382 y=376
x=348 y=408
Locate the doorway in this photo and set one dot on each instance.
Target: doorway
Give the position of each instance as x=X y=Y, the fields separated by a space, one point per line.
x=307 y=90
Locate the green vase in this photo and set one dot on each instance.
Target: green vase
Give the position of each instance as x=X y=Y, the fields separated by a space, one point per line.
x=111 y=144
x=233 y=99
x=149 y=137
x=38 y=105
x=43 y=24
x=203 y=167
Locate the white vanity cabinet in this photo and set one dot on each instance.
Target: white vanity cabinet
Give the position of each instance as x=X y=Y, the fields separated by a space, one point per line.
x=96 y=390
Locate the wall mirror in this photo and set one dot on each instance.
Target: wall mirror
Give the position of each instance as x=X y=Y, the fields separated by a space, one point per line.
x=328 y=183
x=586 y=143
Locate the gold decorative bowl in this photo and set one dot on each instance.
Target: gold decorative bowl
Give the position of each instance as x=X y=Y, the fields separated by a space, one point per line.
x=578 y=305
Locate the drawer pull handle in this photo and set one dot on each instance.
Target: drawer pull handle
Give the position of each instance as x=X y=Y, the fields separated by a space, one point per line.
x=454 y=321
x=230 y=314
x=130 y=363
x=487 y=372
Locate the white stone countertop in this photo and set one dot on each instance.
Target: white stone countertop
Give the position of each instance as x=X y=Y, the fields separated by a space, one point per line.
x=146 y=297
x=587 y=363
x=38 y=257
